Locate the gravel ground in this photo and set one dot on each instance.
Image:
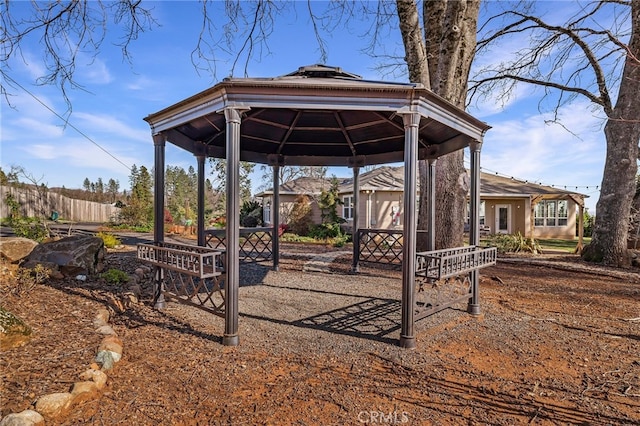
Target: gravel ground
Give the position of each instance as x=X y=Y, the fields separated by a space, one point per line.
x=551 y=347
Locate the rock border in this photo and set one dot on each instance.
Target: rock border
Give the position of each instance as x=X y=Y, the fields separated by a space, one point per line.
x=92 y=380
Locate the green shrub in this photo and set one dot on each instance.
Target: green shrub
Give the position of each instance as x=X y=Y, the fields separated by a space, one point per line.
x=251 y=214
x=115 y=276
x=325 y=231
x=26 y=278
x=514 y=243
x=30 y=228
x=295 y=238
x=300 y=216
x=110 y=240
x=341 y=240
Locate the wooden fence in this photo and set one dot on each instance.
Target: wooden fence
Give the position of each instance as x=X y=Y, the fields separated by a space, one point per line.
x=34 y=203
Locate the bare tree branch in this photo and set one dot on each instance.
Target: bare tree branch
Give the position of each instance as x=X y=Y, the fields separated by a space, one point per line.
x=569 y=58
x=65 y=30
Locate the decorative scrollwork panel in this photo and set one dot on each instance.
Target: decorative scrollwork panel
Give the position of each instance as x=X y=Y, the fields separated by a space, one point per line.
x=435 y=295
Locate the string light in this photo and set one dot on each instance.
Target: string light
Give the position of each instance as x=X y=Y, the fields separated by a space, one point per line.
x=595 y=188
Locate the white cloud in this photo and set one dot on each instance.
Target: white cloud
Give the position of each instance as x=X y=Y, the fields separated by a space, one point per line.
x=32 y=64
x=81 y=153
x=532 y=150
x=92 y=70
x=140 y=83
x=103 y=123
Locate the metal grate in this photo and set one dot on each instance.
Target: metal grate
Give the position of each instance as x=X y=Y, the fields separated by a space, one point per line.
x=256 y=244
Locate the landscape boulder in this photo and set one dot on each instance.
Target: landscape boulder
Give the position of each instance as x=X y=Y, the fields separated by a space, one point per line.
x=14 y=249
x=78 y=254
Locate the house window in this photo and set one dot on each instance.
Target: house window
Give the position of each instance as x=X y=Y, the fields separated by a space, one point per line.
x=266 y=212
x=552 y=213
x=347 y=207
x=481 y=213
x=563 y=212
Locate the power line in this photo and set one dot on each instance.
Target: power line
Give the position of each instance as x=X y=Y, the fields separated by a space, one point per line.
x=67 y=122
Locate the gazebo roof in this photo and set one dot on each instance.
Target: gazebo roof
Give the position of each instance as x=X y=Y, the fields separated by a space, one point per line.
x=317 y=115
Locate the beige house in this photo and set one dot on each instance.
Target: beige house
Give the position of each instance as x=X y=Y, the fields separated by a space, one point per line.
x=289 y=193
x=507 y=205
x=510 y=206
x=381 y=195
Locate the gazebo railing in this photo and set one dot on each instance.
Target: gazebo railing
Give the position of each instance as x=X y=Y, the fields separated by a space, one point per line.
x=256 y=244
x=190 y=275
x=380 y=246
x=443 y=277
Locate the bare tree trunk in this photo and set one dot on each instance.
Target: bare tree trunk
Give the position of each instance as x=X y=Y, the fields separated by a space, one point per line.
x=622 y=132
x=450 y=42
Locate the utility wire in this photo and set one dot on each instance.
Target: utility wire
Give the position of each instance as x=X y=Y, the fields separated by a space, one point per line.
x=67 y=122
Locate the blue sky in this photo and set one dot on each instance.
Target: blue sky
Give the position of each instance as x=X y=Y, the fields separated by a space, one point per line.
x=118 y=95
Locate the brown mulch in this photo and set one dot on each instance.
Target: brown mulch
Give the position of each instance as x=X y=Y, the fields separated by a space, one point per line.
x=552 y=346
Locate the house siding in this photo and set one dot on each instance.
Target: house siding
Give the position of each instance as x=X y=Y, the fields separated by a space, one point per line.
x=520 y=218
x=375 y=209
x=381 y=190
x=287 y=202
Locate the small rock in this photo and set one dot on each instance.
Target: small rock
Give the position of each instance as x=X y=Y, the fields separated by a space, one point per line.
x=97 y=322
x=106 y=359
x=84 y=391
x=81 y=277
x=103 y=314
x=129 y=298
x=136 y=289
x=105 y=329
x=113 y=339
x=112 y=347
x=139 y=273
x=23 y=418
x=83 y=387
x=56 y=274
x=100 y=379
x=54 y=404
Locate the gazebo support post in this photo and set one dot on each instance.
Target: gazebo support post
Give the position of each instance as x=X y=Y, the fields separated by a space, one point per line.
x=431 y=203
x=355 y=235
x=276 y=217
x=474 y=227
x=407 y=335
x=232 y=242
x=200 y=222
x=159 y=143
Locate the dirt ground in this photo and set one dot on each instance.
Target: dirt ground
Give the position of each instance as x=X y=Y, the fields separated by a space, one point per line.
x=551 y=347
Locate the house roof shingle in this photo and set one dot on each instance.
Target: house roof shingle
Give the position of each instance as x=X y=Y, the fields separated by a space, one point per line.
x=387 y=178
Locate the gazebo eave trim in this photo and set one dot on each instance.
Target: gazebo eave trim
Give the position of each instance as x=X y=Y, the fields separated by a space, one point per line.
x=344 y=97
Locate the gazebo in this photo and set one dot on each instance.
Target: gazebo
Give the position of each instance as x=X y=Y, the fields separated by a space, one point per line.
x=317 y=115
